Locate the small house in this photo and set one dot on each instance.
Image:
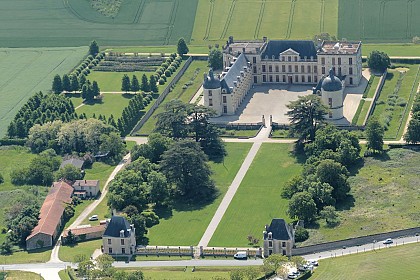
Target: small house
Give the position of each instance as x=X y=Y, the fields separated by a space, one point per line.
x=278 y=238
x=119 y=237
x=86 y=188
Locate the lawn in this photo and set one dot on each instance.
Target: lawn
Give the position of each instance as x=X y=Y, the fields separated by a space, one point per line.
x=75 y=23
x=23 y=275
x=26 y=71
x=384 y=197
x=63 y=275
x=110 y=104
x=392 y=49
x=371 y=89
x=194 y=76
x=34 y=256
x=239 y=133
x=258 y=200
x=186 y=226
x=369 y=20
x=363 y=112
x=67 y=253
x=386 y=264
x=103 y=212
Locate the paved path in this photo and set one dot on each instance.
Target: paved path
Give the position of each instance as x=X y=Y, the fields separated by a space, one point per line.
x=223 y=206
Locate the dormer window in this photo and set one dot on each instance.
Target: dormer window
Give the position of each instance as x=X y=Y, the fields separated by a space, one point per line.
x=270 y=235
x=210 y=93
x=266 y=57
x=273 y=57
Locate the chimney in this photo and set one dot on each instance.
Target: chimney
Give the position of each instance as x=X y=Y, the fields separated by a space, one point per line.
x=230 y=40
x=122 y=233
x=264 y=39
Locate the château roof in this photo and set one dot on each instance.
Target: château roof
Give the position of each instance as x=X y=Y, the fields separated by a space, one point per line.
x=228 y=80
x=278 y=229
x=117 y=224
x=210 y=81
x=275 y=47
x=332 y=82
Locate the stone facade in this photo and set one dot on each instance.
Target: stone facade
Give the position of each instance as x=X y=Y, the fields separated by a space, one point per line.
x=119 y=237
x=278 y=238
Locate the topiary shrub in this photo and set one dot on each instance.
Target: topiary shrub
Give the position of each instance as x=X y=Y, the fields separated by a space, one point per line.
x=172 y=69
x=168 y=73
x=301 y=234
x=161 y=81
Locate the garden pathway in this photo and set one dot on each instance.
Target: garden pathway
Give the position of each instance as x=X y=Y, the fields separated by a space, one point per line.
x=211 y=228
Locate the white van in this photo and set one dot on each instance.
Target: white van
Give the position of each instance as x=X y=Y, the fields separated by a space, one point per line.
x=240 y=255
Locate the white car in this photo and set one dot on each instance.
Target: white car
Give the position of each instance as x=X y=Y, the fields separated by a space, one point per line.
x=388 y=241
x=292 y=276
x=93 y=218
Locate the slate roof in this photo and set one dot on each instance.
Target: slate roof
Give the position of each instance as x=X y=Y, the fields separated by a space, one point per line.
x=78 y=163
x=117 y=224
x=332 y=82
x=275 y=47
x=234 y=71
x=52 y=209
x=210 y=81
x=279 y=230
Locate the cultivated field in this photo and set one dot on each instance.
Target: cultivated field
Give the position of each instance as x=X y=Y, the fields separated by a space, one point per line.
x=378 y=21
x=386 y=264
x=258 y=199
x=26 y=71
x=76 y=23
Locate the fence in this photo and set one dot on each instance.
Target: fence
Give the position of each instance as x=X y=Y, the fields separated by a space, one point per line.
x=239 y=126
x=354 y=241
x=229 y=252
x=165 y=251
x=162 y=96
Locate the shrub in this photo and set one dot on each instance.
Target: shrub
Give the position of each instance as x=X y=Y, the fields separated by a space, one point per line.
x=169 y=60
x=172 y=69
x=179 y=59
x=168 y=73
x=161 y=81
x=173 y=55
x=159 y=72
x=401 y=102
x=165 y=65
x=90 y=57
x=301 y=234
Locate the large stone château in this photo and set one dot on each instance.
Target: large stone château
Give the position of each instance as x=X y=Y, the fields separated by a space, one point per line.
x=283 y=62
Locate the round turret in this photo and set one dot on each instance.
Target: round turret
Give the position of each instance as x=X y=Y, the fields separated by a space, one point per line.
x=331 y=83
x=210 y=81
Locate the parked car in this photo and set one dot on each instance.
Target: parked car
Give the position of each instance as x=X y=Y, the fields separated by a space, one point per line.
x=93 y=218
x=314 y=263
x=240 y=255
x=388 y=241
x=292 y=276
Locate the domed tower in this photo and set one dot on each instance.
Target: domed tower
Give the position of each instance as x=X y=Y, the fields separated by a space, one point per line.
x=212 y=92
x=332 y=95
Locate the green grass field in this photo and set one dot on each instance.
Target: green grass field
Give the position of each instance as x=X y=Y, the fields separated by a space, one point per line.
x=63 y=275
x=26 y=71
x=258 y=200
x=370 y=20
x=35 y=256
x=194 y=74
x=23 y=275
x=386 y=264
x=363 y=112
x=67 y=253
x=110 y=104
x=385 y=198
x=76 y=23
x=186 y=226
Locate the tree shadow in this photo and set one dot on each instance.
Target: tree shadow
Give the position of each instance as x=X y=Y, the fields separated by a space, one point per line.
x=192 y=204
x=345 y=204
x=93 y=102
x=313 y=225
x=354 y=169
x=127 y=95
x=163 y=212
x=383 y=156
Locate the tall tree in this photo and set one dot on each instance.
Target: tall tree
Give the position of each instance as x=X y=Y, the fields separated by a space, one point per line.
x=153 y=84
x=306 y=115
x=274 y=262
x=333 y=173
x=375 y=134
x=82 y=80
x=302 y=206
x=74 y=83
x=182 y=47
x=184 y=164
x=125 y=83
x=96 y=91
x=135 y=84
x=413 y=131
x=173 y=121
x=66 y=83
x=215 y=59
x=57 y=85
x=145 y=83
x=93 y=48
x=378 y=61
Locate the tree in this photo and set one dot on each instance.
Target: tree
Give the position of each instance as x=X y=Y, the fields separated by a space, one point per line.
x=302 y=206
x=66 y=83
x=319 y=38
x=374 y=134
x=82 y=80
x=215 y=59
x=68 y=172
x=153 y=85
x=298 y=261
x=96 y=91
x=184 y=165
x=6 y=247
x=125 y=83
x=413 y=131
x=251 y=272
x=158 y=188
x=156 y=145
x=70 y=238
x=173 y=121
x=135 y=84
x=321 y=193
x=104 y=264
x=85 y=268
x=112 y=145
x=57 y=86
x=182 y=47
x=93 y=48
x=74 y=83
x=378 y=61
x=335 y=174
x=274 y=262
x=330 y=215
x=301 y=234
x=306 y=115
x=145 y=83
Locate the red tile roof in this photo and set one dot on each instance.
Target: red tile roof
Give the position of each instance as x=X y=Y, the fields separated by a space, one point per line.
x=85 y=230
x=86 y=183
x=52 y=209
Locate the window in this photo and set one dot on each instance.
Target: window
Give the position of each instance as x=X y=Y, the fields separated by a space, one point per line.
x=254 y=59
x=295 y=58
x=271 y=78
x=255 y=80
x=315 y=69
x=270 y=68
x=333 y=60
x=109 y=250
x=350 y=60
x=296 y=79
x=351 y=81
x=270 y=252
x=284 y=78
x=122 y=242
x=283 y=68
x=289 y=58
x=339 y=61
x=323 y=70
x=123 y=251
x=339 y=71
x=330 y=102
x=255 y=69
x=351 y=71
x=330 y=115
x=210 y=102
x=309 y=68
x=309 y=79
x=264 y=78
x=277 y=68
x=290 y=68
x=283 y=58
x=277 y=78
x=210 y=93
x=283 y=244
x=302 y=69
x=296 y=68
x=243 y=49
x=224 y=99
x=109 y=241
x=270 y=244
x=303 y=79
x=284 y=252
x=263 y=68
x=315 y=79
x=323 y=60
x=225 y=109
